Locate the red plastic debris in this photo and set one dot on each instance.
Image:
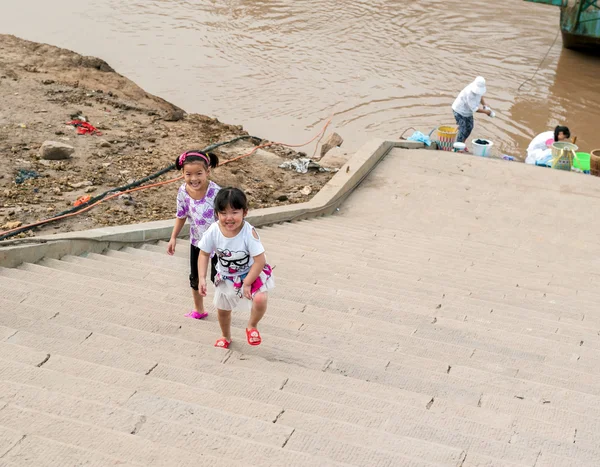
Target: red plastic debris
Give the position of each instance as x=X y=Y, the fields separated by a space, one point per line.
x=81 y=200
x=85 y=128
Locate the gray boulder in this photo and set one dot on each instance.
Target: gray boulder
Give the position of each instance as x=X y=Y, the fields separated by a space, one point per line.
x=55 y=151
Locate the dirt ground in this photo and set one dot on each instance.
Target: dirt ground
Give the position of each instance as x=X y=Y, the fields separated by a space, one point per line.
x=42 y=87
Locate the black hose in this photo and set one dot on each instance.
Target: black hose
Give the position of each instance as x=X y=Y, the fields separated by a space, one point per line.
x=129 y=186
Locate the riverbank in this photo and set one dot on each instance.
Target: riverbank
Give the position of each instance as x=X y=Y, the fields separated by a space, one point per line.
x=43 y=87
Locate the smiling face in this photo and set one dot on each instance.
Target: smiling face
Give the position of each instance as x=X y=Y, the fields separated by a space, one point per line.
x=231 y=220
x=196 y=176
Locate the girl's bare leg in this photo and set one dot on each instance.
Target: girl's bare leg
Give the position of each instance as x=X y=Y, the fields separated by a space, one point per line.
x=259 y=307
x=225 y=323
x=198 y=301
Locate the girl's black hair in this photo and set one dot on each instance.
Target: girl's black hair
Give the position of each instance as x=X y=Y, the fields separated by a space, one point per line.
x=197 y=156
x=565 y=130
x=230 y=197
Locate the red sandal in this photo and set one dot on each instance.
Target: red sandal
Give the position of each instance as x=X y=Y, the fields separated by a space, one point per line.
x=222 y=343
x=253 y=336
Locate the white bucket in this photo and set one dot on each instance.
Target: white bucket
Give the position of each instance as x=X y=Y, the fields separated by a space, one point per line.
x=484 y=150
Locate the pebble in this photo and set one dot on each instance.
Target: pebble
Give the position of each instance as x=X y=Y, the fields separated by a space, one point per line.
x=81 y=184
x=307 y=190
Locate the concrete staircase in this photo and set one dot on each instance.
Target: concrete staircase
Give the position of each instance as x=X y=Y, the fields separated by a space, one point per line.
x=447 y=315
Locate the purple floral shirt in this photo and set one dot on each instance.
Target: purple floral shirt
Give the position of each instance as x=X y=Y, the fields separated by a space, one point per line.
x=200 y=213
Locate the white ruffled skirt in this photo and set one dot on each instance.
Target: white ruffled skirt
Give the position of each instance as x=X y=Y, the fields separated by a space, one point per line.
x=229 y=290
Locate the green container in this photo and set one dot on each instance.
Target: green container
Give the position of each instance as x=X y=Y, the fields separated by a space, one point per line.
x=582 y=161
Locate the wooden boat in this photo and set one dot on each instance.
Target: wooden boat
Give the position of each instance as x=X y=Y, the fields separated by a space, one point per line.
x=579 y=23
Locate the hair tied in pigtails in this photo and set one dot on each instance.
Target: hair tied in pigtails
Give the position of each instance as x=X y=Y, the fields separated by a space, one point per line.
x=182 y=159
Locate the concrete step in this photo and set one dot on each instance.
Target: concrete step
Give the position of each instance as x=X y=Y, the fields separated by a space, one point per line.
x=84 y=333
x=575 y=317
x=552 y=306
x=165 y=410
x=378 y=274
x=562 y=382
x=319 y=351
x=554 y=330
x=558 y=331
x=337 y=396
x=311 y=233
x=440 y=269
x=51 y=361
x=289 y=261
x=21 y=449
x=132 y=448
x=550 y=302
x=481 y=265
x=232 y=444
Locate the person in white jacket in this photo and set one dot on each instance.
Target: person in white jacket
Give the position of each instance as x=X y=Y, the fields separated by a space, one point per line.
x=539 y=151
x=470 y=101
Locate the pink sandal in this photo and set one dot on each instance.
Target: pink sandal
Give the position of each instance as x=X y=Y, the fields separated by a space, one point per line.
x=222 y=343
x=196 y=315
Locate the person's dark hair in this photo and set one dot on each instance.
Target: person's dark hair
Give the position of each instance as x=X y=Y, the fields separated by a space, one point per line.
x=561 y=129
x=209 y=159
x=230 y=197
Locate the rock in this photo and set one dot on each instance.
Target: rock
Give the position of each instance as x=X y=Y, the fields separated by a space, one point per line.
x=280 y=197
x=104 y=144
x=47 y=81
x=307 y=190
x=333 y=141
x=81 y=184
x=12 y=225
x=55 y=151
x=334 y=159
x=90 y=189
x=174 y=115
x=126 y=199
x=93 y=62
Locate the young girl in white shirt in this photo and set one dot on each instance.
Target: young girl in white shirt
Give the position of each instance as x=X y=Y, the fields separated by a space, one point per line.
x=243 y=276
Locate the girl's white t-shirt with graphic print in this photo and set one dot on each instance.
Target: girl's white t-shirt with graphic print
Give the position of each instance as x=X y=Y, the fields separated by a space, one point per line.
x=235 y=255
x=200 y=213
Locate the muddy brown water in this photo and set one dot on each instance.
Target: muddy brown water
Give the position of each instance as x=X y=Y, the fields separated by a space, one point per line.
x=281 y=67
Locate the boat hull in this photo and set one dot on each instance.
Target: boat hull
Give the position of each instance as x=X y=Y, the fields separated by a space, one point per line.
x=580 y=29
x=580 y=42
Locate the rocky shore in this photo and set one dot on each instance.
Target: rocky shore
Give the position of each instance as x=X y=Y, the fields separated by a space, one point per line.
x=43 y=88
